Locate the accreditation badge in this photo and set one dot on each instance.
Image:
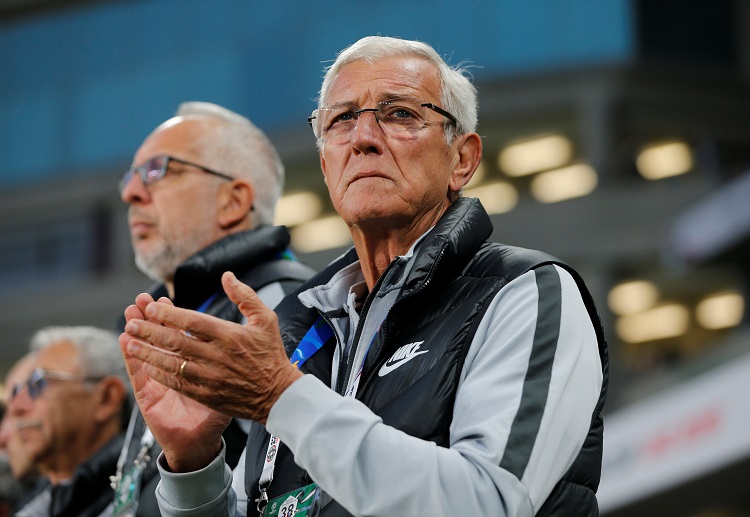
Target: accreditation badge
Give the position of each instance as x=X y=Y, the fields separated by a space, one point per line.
x=127 y=492
x=302 y=502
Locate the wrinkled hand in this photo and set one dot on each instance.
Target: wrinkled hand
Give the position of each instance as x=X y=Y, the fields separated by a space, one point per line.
x=178 y=422
x=232 y=369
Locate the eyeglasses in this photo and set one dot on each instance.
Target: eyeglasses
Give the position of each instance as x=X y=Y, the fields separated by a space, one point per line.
x=156 y=168
x=39 y=380
x=398 y=118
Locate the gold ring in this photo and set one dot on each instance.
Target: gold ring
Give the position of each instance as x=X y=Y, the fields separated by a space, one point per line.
x=181 y=372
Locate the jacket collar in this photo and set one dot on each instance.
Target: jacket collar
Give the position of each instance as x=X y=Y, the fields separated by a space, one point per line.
x=451 y=244
x=199 y=277
x=447 y=248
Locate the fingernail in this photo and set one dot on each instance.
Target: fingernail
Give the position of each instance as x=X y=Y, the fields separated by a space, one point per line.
x=131 y=327
x=151 y=309
x=132 y=347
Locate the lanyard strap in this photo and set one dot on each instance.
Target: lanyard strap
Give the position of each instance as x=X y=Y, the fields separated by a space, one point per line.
x=352 y=391
x=147 y=440
x=124 y=452
x=313 y=340
x=205 y=305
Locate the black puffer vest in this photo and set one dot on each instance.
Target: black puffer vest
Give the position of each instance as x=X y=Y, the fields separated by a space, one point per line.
x=455 y=276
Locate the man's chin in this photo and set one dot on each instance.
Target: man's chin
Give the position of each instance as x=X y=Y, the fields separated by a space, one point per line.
x=156 y=266
x=31 y=438
x=148 y=270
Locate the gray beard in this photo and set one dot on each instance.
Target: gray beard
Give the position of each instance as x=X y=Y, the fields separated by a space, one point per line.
x=160 y=267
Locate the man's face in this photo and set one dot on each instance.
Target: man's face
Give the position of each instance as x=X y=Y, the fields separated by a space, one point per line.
x=379 y=182
x=21 y=462
x=61 y=415
x=174 y=218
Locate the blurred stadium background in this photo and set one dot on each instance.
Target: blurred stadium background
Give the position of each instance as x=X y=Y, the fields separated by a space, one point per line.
x=616 y=134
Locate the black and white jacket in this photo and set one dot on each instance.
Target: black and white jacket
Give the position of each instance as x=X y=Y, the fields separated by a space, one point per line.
x=480 y=392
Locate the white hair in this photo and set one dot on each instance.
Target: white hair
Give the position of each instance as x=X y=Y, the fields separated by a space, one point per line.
x=458 y=94
x=238 y=148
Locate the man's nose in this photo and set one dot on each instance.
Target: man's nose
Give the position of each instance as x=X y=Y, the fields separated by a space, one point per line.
x=19 y=402
x=134 y=191
x=368 y=132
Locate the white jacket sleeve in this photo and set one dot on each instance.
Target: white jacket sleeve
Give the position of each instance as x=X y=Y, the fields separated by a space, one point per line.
x=206 y=492
x=506 y=451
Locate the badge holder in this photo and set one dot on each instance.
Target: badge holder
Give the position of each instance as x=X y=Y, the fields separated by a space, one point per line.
x=128 y=491
x=302 y=502
x=127 y=484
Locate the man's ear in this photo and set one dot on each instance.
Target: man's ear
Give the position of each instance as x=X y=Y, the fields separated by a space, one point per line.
x=468 y=149
x=235 y=200
x=110 y=393
x=323 y=166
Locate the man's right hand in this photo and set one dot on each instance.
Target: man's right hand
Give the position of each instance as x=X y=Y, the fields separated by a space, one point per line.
x=188 y=432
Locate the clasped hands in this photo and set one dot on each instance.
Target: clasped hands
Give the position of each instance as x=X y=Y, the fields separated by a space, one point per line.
x=192 y=372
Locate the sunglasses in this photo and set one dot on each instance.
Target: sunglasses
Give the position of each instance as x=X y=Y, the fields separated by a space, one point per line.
x=39 y=379
x=156 y=168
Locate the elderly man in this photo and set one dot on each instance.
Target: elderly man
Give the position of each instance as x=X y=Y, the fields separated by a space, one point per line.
x=431 y=372
x=21 y=464
x=70 y=412
x=202 y=193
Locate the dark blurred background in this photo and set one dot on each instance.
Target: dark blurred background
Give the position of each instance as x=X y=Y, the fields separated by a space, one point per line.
x=616 y=134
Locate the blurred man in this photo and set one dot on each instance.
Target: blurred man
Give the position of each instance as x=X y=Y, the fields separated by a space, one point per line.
x=202 y=193
x=20 y=462
x=69 y=412
x=19 y=459
x=431 y=373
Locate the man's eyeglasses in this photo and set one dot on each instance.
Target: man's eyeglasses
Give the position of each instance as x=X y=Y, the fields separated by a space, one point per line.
x=156 y=168
x=399 y=118
x=39 y=380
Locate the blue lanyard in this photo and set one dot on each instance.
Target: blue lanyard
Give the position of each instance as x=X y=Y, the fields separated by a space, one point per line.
x=313 y=341
x=204 y=306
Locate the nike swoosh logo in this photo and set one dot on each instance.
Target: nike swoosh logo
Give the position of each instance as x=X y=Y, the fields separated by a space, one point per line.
x=402 y=356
